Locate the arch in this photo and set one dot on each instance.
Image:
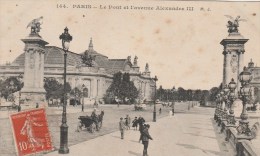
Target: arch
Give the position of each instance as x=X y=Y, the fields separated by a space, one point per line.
x=85 y=92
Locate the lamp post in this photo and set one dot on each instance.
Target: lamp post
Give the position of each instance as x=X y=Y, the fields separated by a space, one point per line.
x=232 y=96
x=245 y=93
x=66 y=38
x=82 y=108
x=216 y=109
x=154 y=108
x=19 y=100
x=225 y=106
x=225 y=99
x=221 y=110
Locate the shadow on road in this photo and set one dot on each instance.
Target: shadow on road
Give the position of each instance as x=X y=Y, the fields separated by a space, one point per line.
x=195 y=147
x=116 y=136
x=134 y=153
x=200 y=135
x=134 y=141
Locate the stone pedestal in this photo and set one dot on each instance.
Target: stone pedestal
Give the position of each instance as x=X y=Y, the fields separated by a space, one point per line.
x=233 y=57
x=33 y=91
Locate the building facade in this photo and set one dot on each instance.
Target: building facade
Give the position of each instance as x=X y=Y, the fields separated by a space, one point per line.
x=96 y=78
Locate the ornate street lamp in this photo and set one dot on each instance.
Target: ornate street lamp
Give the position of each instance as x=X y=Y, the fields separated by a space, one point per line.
x=154 y=108
x=232 y=96
x=245 y=95
x=221 y=110
x=65 y=38
x=82 y=108
x=217 y=105
x=231 y=117
x=225 y=98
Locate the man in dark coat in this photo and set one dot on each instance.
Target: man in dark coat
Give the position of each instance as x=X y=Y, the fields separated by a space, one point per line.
x=145 y=139
x=141 y=122
x=94 y=117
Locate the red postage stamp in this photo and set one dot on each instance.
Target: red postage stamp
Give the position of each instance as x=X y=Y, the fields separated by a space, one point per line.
x=31 y=133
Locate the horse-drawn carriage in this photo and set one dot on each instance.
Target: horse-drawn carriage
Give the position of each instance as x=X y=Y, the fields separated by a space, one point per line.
x=91 y=123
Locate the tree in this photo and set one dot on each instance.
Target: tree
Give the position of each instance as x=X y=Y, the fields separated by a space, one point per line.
x=54 y=89
x=121 y=88
x=10 y=85
x=160 y=93
x=182 y=94
x=213 y=93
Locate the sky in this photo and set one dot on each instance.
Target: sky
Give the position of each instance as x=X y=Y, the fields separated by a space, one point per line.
x=182 y=47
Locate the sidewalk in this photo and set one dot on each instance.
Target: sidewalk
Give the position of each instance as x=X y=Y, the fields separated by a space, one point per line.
x=186 y=134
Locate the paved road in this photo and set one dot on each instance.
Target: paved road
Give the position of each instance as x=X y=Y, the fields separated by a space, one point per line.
x=188 y=133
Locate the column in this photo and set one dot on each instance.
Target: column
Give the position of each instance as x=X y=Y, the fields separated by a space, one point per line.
x=228 y=68
x=26 y=66
x=224 y=68
x=42 y=69
x=97 y=87
x=240 y=68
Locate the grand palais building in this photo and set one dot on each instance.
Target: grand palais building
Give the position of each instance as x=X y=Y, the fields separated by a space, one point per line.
x=96 y=78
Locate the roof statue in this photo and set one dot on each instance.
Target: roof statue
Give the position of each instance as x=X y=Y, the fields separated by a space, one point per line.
x=135 y=60
x=90 y=47
x=35 y=25
x=233 y=24
x=147 y=67
x=129 y=58
x=87 y=59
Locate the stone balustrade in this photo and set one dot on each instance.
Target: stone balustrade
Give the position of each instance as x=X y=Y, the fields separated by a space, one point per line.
x=242 y=143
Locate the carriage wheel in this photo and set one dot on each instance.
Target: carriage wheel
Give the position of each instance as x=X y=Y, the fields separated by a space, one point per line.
x=92 y=127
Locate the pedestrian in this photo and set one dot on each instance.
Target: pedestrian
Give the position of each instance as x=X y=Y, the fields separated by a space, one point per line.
x=160 y=110
x=94 y=117
x=145 y=139
x=121 y=127
x=128 y=121
x=173 y=105
x=170 y=113
x=188 y=106
x=19 y=108
x=37 y=105
x=141 y=122
x=135 y=123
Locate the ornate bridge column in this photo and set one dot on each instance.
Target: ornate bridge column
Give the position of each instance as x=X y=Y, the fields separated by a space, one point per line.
x=234 y=48
x=33 y=91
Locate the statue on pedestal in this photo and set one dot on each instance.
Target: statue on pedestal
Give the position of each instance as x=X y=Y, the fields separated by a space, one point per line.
x=233 y=24
x=147 y=67
x=129 y=58
x=135 y=60
x=35 y=25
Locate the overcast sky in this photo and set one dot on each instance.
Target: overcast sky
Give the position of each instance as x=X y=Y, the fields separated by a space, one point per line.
x=181 y=47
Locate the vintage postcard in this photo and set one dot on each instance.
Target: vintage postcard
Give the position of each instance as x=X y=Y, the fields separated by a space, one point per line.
x=129 y=78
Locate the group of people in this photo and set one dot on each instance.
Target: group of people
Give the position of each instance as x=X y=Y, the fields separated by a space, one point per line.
x=143 y=128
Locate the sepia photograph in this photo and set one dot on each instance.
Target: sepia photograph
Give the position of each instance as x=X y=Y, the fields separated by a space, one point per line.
x=129 y=78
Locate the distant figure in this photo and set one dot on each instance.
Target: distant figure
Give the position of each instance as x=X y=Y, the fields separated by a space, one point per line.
x=145 y=139
x=101 y=117
x=122 y=127
x=19 y=108
x=170 y=113
x=160 y=110
x=135 y=123
x=94 y=117
x=173 y=105
x=37 y=105
x=127 y=121
x=188 y=106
